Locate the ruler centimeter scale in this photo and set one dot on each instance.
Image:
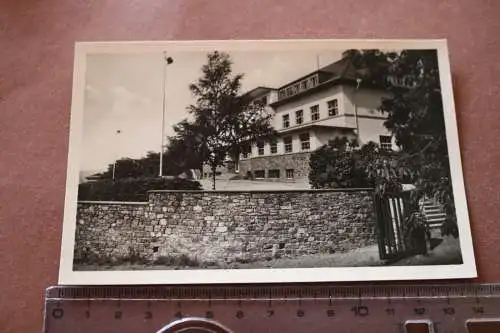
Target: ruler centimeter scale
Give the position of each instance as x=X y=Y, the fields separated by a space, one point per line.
x=472 y=308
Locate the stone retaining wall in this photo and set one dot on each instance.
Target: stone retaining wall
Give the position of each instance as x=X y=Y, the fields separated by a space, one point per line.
x=230 y=226
x=110 y=229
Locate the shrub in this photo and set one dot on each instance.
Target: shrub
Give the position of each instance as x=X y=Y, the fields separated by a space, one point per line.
x=450 y=227
x=87 y=257
x=131 y=189
x=416 y=232
x=335 y=165
x=134 y=257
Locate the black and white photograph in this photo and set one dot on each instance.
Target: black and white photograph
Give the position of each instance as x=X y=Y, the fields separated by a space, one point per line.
x=264 y=161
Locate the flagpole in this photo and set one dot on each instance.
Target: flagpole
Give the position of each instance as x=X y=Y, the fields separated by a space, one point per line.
x=114 y=162
x=160 y=174
x=166 y=61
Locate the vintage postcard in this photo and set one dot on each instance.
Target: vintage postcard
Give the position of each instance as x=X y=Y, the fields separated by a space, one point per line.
x=264 y=161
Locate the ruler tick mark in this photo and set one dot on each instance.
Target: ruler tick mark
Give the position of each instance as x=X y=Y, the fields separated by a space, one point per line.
x=271 y=306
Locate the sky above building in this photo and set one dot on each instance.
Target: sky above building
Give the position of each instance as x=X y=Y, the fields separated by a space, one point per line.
x=123 y=95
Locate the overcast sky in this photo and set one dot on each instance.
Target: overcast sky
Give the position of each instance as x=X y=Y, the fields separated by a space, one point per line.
x=124 y=92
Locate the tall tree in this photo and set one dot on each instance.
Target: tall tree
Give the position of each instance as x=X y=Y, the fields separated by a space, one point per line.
x=186 y=150
x=146 y=166
x=224 y=121
x=415 y=116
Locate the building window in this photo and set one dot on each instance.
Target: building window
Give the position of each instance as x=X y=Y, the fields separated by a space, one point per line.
x=385 y=142
x=299 y=117
x=274 y=147
x=260 y=174
x=288 y=144
x=275 y=173
x=246 y=151
x=314 y=112
x=305 y=142
x=286 y=121
x=333 y=107
x=289 y=173
x=260 y=148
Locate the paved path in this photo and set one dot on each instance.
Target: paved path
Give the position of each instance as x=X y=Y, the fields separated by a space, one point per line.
x=362 y=257
x=446 y=253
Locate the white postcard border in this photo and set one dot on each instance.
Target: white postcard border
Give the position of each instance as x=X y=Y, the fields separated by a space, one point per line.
x=69 y=277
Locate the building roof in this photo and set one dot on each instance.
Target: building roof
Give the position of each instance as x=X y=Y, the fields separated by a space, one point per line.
x=342 y=68
x=342 y=71
x=258 y=91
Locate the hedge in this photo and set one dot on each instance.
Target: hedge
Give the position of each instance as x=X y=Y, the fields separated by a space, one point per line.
x=131 y=189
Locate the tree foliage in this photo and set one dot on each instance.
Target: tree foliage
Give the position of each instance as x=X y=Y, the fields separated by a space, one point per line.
x=341 y=164
x=146 y=166
x=131 y=189
x=224 y=121
x=179 y=158
x=186 y=149
x=337 y=165
x=415 y=117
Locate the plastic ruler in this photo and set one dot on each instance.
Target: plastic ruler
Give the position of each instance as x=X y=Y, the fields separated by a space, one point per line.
x=473 y=308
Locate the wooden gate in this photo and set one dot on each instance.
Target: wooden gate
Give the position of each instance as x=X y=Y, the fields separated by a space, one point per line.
x=391 y=213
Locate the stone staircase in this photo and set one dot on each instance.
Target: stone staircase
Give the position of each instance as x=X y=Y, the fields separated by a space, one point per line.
x=434 y=214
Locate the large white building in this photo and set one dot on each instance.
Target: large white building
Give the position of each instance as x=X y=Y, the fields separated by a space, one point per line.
x=308 y=112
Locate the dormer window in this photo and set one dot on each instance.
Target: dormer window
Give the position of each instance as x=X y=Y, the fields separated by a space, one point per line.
x=298 y=87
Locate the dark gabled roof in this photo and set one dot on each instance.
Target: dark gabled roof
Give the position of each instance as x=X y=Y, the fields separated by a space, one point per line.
x=342 y=71
x=257 y=92
x=339 y=72
x=342 y=68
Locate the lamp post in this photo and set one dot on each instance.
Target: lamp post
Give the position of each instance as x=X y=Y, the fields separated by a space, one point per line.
x=114 y=162
x=166 y=61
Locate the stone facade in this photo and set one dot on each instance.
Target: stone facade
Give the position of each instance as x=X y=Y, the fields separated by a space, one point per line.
x=230 y=226
x=298 y=162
